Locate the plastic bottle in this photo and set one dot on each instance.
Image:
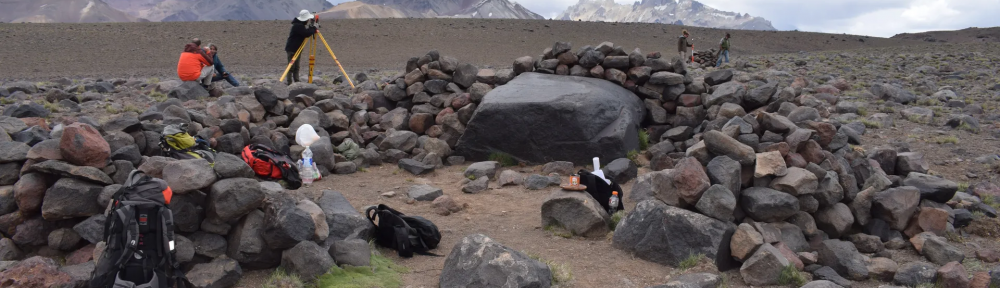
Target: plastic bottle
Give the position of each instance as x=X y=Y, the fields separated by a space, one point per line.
x=307 y=169
x=613 y=202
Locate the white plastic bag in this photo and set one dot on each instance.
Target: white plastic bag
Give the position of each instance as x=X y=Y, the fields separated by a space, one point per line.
x=306 y=135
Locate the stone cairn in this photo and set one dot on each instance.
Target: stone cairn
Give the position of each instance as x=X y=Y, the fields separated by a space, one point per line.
x=789 y=178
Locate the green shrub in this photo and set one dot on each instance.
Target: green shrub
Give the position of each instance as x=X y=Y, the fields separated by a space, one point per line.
x=505 y=160
x=691 y=261
x=963 y=186
x=634 y=156
x=643 y=140
x=871 y=124
x=616 y=218
x=382 y=273
x=947 y=139
x=157 y=96
x=791 y=277
x=561 y=273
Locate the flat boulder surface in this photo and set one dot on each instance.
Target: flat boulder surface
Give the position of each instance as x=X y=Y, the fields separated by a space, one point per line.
x=539 y=118
x=668 y=235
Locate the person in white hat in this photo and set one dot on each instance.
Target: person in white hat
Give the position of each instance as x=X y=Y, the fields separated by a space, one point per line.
x=302 y=28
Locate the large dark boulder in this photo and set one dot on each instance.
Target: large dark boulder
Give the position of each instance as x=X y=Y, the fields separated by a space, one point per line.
x=540 y=118
x=669 y=235
x=477 y=261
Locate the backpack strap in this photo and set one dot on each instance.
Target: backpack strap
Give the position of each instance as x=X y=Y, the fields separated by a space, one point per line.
x=170 y=255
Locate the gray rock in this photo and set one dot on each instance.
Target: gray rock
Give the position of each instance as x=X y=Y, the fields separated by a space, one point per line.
x=693 y=280
x=834 y=220
x=828 y=274
x=70 y=198
x=558 y=167
x=718 y=77
x=424 y=192
x=56 y=167
x=821 y=284
x=79 y=273
x=537 y=182
x=9 y=251
x=577 y=212
x=726 y=172
x=486 y=169
x=939 y=252
x=477 y=261
x=189 y=90
x=538 y=98
x=717 y=202
x=306 y=259
x=796 y=182
x=285 y=225
x=896 y=205
x=768 y=205
x=892 y=93
x=13 y=152
x=415 y=167
x=344 y=220
x=208 y=244
x=476 y=186
x=231 y=166
x=682 y=233
x=844 y=258
x=915 y=273
x=221 y=272
x=184 y=176
x=867 y=243
x=91 y=229
x=932 y=188
x=354 y=252
x=764 y=267
x=620 y=170
x=247 y=246
x=232 y=198
x=64 y=239
x=721 y=144
x=731 y=92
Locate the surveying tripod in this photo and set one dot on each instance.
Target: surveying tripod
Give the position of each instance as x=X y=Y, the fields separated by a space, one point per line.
x=312 y=43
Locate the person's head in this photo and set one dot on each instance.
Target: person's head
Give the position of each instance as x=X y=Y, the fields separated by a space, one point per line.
x=685 y=32
x=727 y=35
x=196 y=41
x=304 y=15
x=191 y=48
x=214 y=48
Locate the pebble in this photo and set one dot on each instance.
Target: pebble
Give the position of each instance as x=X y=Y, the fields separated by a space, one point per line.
x=389 y=194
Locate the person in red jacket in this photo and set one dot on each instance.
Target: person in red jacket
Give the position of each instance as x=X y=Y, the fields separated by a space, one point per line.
x=195 y=65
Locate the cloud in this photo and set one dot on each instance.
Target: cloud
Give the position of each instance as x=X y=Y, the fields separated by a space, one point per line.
x=882 y=18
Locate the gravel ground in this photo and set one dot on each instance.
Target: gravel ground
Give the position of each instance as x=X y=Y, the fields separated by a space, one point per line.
x=43 y=51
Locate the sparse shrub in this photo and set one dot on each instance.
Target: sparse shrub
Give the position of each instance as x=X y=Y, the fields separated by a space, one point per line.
x=131 y=108
x=951 y=139
x=643 y=140
x=791 y=277
x=157 y=96
x=110 y=109
x=870 y=124
x=382 y=273
x=691 y=261
x=954 y=237
x=561 y=273
x=633 y=156
x=615 y=219
x=973 y=265
x=48 y=106
x=153 y=80
x=863 y=111
x=6 y=101
x=559 y=231
x=928 y=102
x=963 y=186
x=992 y=201
x=505 y=160
x=471 y=177
x=915 y=119
x=965 y=126
x=280 y=279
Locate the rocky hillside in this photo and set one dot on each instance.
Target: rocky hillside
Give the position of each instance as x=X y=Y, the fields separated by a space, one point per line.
x=497 y=9
x=60 y=11
x=972 y=34
x=679 y=12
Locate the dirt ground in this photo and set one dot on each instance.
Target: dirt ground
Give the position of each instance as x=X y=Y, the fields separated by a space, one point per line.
x=106 y=50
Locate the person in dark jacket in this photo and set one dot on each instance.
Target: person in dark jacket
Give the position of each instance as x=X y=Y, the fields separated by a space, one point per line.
x=221 y=72
x=683 y=44
x=302 y=28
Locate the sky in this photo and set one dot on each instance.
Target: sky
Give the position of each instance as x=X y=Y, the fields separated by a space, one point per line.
x=882 y=18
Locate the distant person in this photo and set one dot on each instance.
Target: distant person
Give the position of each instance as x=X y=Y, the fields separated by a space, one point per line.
x=302 y=28
x=221 y=73
x=194 y=65
x=723 y=51
x=683 y=44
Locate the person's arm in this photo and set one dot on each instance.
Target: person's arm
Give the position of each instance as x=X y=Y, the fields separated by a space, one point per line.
x=218 y=64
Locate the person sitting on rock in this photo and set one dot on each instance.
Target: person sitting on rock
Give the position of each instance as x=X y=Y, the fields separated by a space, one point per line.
x=195 y=65
x=723 y=51
x=220 y=70
x=683 y=44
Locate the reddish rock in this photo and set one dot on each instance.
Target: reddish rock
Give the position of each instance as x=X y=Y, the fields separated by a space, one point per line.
x=460 y=101
x=841 y=84
x=781 y=147
x=445 y=205
x=952 y=275
x=420 y=122
x=671 y=107
x=435 y=131
x=82 y=145
x=795 y=160
x=690 y=180
x=800 y=83
x=980 y=280
x=562 y=69
x=35 y=121
x=690 y=100
x=988 y=255
x=812 y=152
x=82 y=255
x=29 y=191
x=829 y=89
x=790 y=255
x=9 y=222
x=933 y=220
x=33 y=232
x=440 y=117
x=979 y=190
x=36 y=271
x=825 y=131
x=597 y=72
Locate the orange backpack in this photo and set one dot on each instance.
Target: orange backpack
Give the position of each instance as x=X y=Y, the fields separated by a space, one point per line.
x=271 y=164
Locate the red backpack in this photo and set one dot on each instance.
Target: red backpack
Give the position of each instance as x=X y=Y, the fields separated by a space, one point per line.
x=271 y=164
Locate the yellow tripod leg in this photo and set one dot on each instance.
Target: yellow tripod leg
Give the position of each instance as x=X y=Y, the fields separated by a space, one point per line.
x=296 y=57
x=312 y=58
x=335 y=59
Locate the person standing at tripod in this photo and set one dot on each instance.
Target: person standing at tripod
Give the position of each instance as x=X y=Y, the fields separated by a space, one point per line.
x=302 y=27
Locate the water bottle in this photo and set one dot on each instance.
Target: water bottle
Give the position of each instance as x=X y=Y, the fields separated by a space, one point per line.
x=307 y=169
x=613 y=202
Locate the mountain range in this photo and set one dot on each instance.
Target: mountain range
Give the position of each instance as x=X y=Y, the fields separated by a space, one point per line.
x=680 y=12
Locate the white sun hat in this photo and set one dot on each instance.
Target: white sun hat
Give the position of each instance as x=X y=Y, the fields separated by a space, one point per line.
x=304 y=15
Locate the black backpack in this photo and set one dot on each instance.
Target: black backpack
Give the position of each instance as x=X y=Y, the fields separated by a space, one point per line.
x=405 y=234
x=602 y=191
x=139 y=233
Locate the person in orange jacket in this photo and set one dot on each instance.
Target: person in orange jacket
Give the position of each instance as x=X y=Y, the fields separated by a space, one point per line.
x=195 y=65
